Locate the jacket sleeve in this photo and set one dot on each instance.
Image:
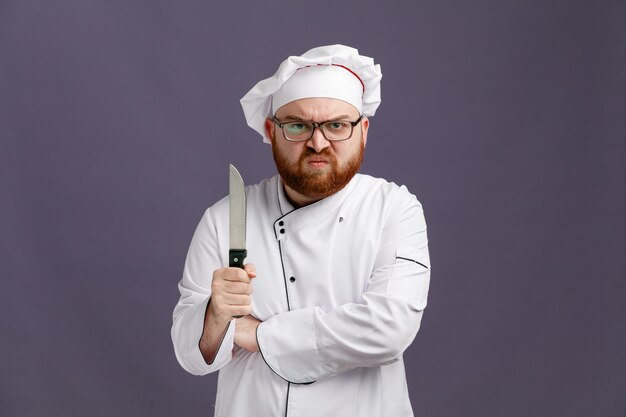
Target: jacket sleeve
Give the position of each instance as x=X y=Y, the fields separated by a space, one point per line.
x=305 y=345
x=195 y=291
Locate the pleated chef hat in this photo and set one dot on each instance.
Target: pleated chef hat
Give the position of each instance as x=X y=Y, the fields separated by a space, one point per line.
x=334 y=71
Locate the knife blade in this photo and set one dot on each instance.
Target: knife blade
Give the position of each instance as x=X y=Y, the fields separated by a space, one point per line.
x=237 y=220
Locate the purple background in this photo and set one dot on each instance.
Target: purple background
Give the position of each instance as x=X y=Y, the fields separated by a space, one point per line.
x=506 y=118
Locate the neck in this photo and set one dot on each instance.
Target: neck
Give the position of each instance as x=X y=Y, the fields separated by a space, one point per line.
x=296 y=199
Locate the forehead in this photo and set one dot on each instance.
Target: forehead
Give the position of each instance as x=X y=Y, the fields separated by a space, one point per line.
x=317 y=108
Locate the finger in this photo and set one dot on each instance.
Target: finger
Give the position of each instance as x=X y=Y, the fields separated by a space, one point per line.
x=236 y=299
x=230 y=274
x=250 y=270
x=237 y=310
x=242 y=310
x=237 y=288
x=236 y=275
x=221 y=309
x=231 y=287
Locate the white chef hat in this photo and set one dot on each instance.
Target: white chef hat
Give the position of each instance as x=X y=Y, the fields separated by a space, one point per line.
x=334 y=71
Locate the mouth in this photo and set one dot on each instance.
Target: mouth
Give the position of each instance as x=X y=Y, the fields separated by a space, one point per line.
x=315 y=161
x=318 y=162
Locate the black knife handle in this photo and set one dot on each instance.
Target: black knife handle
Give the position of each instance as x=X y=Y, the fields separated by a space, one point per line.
x=235 y=259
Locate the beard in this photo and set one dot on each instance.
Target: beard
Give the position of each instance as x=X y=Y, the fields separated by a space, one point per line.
x=317 y=185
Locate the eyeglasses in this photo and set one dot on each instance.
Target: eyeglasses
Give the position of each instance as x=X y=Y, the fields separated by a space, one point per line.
x=332 y=130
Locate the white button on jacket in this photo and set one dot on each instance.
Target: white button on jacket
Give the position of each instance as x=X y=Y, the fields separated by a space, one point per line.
x=341 y=286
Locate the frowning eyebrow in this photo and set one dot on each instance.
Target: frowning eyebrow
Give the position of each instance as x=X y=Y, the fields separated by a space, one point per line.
x=300 y=119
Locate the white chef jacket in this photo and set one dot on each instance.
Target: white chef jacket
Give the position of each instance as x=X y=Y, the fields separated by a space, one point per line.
x=341 y=286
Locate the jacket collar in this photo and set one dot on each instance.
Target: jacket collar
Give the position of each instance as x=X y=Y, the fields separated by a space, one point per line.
x=312 y=213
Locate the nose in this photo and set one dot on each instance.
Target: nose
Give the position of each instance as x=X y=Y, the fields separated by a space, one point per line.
x=318 y=142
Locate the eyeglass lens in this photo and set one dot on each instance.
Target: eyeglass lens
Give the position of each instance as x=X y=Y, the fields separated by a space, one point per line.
x=332 y=130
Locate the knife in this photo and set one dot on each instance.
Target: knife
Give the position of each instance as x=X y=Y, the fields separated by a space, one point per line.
x=237 y=221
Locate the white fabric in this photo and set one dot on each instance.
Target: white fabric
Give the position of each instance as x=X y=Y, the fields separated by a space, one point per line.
x=331 y=341
x=330 y=81
x=257 y=103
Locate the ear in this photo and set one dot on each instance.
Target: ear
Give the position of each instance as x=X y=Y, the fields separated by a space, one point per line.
x=270 y=129
x=365 y=125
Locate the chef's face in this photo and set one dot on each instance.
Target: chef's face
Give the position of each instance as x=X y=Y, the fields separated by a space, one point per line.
x=317 y=168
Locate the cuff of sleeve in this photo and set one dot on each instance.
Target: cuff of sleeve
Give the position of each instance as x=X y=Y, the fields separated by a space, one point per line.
x=195 y=361
x=288 y=345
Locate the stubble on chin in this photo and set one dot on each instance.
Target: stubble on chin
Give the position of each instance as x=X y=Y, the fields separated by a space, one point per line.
x=317 y=185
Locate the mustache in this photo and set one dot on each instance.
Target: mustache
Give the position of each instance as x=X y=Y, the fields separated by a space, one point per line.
x=311 y=151
x=326 y=152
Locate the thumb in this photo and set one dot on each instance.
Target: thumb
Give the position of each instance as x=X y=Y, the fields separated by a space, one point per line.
x=250 y=270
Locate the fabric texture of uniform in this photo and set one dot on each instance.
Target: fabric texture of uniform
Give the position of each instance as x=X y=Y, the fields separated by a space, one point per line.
x=341 y=287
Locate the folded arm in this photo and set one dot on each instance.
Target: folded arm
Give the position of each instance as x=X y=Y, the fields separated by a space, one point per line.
x=308 y=344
